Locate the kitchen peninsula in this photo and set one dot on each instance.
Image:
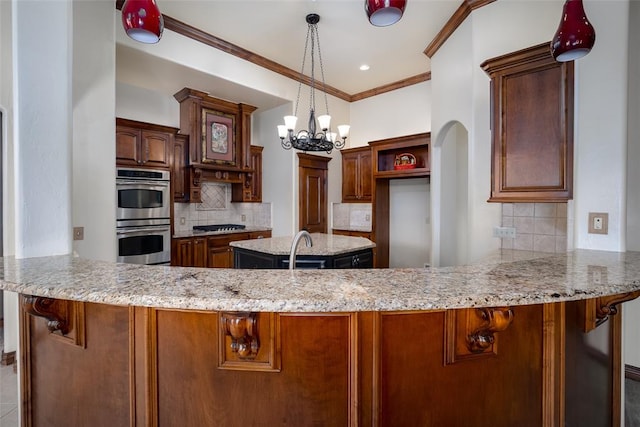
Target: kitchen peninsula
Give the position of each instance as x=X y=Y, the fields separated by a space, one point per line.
x=327 y=251
x=504 y=342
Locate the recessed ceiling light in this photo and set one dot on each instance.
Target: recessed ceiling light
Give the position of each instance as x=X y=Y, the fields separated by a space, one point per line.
x=364 y=67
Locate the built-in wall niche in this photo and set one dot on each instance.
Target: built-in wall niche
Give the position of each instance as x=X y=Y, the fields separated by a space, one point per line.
x=387 y=155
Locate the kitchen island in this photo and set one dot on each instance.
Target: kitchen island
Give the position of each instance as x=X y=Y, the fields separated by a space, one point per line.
x=327 y=251
x=509 y=341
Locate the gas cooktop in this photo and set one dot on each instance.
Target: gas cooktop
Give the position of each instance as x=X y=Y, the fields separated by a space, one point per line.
x=219 y=227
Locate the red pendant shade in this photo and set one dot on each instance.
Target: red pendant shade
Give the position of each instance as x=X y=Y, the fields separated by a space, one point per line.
x=383 y=13
x=142 y=20
x=575 y=36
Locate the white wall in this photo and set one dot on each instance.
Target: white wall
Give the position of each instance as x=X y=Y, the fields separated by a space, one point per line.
x=400 y=112
x=144 y=105
x=94 y=205
x=632 y=309
x=409 y=228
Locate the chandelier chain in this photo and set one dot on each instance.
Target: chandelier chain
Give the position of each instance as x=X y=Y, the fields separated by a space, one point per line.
x=324 y=85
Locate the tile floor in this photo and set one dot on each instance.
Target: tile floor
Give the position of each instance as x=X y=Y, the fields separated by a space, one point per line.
x=8 y=393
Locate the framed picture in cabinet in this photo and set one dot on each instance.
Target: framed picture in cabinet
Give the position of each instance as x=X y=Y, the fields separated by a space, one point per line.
x=218 y=133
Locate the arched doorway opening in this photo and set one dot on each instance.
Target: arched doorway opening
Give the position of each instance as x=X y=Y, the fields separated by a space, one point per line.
x=453 y=206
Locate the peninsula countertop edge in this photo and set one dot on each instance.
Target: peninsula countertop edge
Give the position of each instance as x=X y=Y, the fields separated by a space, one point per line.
x=506 y=278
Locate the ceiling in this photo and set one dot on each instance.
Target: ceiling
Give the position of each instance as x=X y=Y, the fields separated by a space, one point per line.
x=276 y=30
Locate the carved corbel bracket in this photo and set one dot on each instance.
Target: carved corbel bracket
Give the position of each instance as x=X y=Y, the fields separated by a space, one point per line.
x=495 y=320
x=53 y=310
x=243 y=330
x=471 y=333
x=596 y=311
x=197 y=177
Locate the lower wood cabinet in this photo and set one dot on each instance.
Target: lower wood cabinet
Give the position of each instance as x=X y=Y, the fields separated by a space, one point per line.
x=209 y=251
x=244 y=258
x=142 y=366
x=365 y=234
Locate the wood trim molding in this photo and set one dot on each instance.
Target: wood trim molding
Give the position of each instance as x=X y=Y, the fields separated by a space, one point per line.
x=197 y=34
x=391 y=86
x=7 y=359
x=632 y=372
x=458 y=17
x=553 y=366
x=596 y=311
x=315 y=162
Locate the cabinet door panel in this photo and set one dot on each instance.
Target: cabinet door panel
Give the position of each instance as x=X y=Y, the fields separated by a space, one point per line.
x=127 y=145
x=349 y=178
x=155 y=148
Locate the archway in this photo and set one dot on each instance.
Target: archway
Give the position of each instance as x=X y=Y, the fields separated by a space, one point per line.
x=453 y=204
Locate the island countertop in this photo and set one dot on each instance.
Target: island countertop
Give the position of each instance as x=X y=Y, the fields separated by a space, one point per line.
x=507 y=278
x=323 y=245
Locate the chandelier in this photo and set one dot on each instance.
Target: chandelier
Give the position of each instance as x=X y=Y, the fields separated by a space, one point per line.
x=309 y=139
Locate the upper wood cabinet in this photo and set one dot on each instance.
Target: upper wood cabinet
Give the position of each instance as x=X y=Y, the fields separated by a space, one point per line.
x=141 y=144
x=219 y=130
x=179 y=173
x=356 y=175
x=389 y=156
x=532 y=126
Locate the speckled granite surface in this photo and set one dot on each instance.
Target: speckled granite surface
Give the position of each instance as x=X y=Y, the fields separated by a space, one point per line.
x=507 y=278
x=323 y=244
x=192 y=233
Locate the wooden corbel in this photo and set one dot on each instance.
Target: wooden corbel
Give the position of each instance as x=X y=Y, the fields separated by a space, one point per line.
x=471 y=333
x=53 y=310
x=243 y=330
x=598 y=310
x=495 y=320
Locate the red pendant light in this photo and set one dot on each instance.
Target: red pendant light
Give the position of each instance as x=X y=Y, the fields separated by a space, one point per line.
x=383 y=13
x=575 y=36
x=142 y=20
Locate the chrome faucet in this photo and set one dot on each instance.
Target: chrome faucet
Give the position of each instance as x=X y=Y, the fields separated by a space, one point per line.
x=294 y=246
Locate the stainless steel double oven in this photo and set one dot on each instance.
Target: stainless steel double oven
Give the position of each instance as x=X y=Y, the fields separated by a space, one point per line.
x=143 y=200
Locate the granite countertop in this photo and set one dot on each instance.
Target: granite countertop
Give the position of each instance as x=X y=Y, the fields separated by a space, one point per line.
x=196 y=233
x=505 y=278
x=323 y=245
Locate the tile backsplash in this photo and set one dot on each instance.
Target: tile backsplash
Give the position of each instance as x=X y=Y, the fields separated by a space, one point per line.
x=539 y=226
x=216 y=208
x=351 y=216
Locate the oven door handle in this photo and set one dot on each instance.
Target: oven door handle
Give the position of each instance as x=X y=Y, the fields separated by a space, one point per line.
x=142 y=230
x=142 y=182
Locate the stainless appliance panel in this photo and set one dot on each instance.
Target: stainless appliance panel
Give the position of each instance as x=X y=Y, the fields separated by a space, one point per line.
x=144 y=244
x=142 y=194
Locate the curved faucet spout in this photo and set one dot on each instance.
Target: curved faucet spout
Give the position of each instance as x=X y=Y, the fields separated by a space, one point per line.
x=294 y=246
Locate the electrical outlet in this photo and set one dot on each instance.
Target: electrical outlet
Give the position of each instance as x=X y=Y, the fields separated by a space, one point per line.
x=504 y=232
x=367 y=217
x=182 y=220
x=598 y=223
x=243 y=218
x=78 y=233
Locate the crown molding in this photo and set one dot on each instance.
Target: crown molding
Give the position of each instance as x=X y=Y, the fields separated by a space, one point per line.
x=458 y=17
x=197 y=34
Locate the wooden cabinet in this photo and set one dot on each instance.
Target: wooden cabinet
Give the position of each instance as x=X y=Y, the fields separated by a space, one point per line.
x=388 y=163
x=387 y=152
x=248 y=259
x=365 y=234
x=219 y=253
x=179 y=172
x=189 y=252
x=143 y=144
x=209 y=251
x=356 y=175
x=532 y=125
x=250 y=190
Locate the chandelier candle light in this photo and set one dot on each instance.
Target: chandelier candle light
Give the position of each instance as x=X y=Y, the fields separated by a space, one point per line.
x=310 y=140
